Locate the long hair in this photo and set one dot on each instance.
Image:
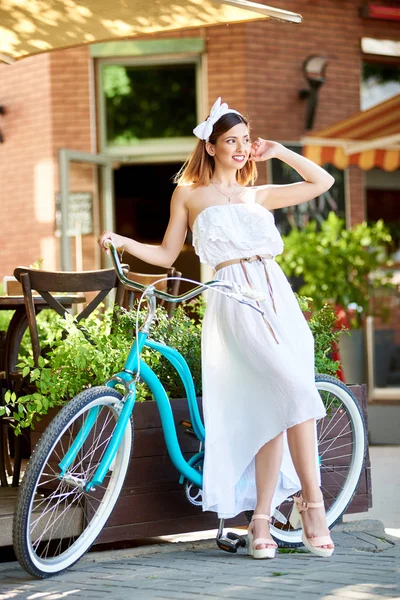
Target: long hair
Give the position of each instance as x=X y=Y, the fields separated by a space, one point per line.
x=199 y=167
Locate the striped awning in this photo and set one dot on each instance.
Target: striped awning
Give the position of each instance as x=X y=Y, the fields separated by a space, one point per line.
x=370 y=138
x=30 y=27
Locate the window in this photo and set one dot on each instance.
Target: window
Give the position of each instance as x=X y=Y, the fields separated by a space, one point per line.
x=380 y=81
x=315 y=210
x=148 y=107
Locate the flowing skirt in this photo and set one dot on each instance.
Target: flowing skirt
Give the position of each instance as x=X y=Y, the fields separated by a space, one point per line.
x=253 y=387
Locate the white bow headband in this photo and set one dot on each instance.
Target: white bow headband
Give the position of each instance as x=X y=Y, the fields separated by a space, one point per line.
x=205 y=129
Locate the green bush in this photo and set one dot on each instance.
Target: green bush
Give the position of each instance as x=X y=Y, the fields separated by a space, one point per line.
x=87 y=355
x=340 y=266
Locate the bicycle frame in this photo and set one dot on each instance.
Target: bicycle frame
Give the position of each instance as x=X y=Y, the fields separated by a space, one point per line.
x=126 y=376
x=163 y=402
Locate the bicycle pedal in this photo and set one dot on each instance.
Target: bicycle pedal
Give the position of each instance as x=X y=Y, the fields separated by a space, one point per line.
x=230 y=542
x=188 y=428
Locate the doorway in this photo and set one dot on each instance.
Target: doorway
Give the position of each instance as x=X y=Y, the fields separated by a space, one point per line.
x=142 y=195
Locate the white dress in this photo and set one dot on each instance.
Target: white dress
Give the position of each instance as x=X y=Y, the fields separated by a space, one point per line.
x=258 y=379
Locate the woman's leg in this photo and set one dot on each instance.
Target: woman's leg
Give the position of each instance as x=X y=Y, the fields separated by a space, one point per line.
x=301 y=440
x=268 y=463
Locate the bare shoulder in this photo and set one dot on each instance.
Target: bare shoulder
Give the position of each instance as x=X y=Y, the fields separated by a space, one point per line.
x=260 y=193
x=185 y=193
x=180 y=197
x=189 y=194
x=195 y=198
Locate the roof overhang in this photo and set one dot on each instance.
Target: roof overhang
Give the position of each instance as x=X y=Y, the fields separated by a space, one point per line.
x=29 y=27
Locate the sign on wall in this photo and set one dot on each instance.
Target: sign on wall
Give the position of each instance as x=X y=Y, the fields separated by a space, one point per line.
x=80 y=217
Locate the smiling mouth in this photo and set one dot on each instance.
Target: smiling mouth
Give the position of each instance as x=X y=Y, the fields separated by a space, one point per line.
x=239 y=157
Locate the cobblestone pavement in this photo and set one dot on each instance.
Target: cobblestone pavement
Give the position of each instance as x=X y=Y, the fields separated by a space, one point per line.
x=365 y=566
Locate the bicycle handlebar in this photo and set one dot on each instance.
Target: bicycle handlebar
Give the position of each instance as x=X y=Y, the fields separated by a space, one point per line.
x=236 y=291
x=138 y=287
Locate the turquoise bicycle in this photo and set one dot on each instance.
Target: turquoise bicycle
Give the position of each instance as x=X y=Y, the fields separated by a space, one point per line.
x=77 y=470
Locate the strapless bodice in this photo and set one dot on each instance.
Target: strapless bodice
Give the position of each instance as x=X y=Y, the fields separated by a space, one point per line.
x=227 y=231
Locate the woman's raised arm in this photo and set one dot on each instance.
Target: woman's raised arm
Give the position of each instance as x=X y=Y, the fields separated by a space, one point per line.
x=167 y=252
x=316 y=179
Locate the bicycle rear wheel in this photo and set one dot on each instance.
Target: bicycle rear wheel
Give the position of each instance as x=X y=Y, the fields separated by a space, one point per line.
x=56 y=520
x=341 y=449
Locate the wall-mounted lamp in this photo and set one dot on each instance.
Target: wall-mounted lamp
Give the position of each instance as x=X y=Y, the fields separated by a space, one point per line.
x=2 y=112
x=314 y=69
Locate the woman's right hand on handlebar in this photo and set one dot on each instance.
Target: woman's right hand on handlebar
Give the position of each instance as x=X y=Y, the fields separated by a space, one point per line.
x=114 y=238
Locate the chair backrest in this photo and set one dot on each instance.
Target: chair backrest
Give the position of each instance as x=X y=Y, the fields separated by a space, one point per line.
x=170 y=285
x=48 y=283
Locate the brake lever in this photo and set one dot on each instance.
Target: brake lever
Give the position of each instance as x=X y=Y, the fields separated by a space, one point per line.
x=239 y=298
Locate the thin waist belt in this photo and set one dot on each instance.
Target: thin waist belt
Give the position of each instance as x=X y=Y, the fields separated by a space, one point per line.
x=236 y=261
x=242 y=261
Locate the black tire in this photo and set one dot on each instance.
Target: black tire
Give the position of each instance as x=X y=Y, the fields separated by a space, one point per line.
x=350 y=470
x=60 y=507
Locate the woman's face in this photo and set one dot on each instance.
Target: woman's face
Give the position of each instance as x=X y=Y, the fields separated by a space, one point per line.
x=232 y=149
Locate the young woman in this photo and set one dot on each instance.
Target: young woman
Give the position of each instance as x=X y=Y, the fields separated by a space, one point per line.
x=259 y=395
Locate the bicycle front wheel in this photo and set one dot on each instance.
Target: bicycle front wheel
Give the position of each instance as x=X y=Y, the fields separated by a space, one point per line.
x=341 y=440
x=56 y=520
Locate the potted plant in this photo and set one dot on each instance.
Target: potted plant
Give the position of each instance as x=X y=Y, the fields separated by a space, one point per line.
x=345 y=268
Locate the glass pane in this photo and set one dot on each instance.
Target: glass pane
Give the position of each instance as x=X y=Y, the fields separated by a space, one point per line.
x=315 y=210
x=380 y=82
x=149 y=101
x=387 y=358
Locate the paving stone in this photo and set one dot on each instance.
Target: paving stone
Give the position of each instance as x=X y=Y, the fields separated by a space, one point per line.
x=373 y=540
x=360 y=569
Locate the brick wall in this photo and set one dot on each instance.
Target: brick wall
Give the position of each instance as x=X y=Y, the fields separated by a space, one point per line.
x=255 y=67
x=47 y=100
x=73 y=128
x=26 y=178
x=227 y=65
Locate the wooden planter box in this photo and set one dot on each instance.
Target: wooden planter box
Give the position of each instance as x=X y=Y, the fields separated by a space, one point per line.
x=362 y=500
x=153 y=503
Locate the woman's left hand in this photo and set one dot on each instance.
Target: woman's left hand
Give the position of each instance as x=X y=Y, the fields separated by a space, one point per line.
x=263 y=150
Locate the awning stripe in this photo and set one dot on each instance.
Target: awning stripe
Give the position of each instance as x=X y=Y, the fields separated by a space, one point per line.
x=366 y=128
x=339 y=157
x=380 y=126
x=372 y=134
x=390 y=107
x=388 y=160
x=380 y=157
x=366 y=160
x=391 y=161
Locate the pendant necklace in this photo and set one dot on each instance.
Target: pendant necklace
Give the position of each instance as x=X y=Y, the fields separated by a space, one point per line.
x=229 y=196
